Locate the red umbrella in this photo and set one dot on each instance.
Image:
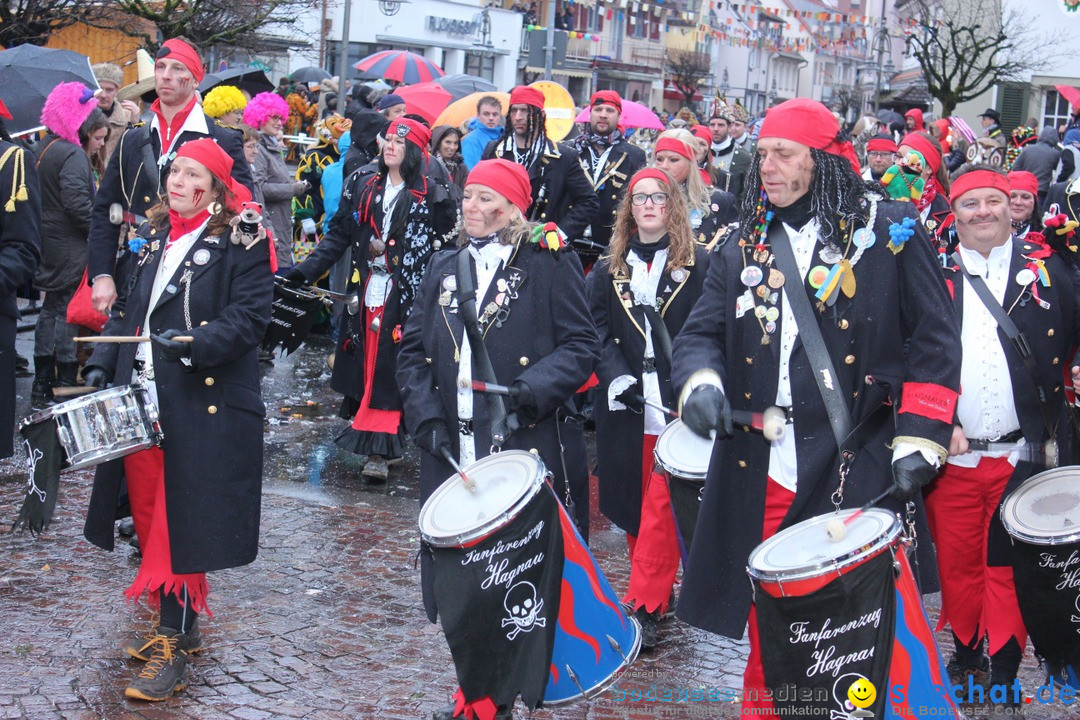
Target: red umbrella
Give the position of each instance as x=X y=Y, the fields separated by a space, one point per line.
x=1069 y=93
x=424 y=99
x=401 y=65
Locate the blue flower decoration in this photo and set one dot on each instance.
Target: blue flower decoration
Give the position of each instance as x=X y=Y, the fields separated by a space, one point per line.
x=900 y=232
x=136 y=244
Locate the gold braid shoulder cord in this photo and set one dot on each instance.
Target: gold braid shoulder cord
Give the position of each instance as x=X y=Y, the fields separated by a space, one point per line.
x=18 y=177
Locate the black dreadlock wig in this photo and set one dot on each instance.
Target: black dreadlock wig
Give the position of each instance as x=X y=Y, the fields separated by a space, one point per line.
x=4 y=133
x=535 y=130
x=836 y=193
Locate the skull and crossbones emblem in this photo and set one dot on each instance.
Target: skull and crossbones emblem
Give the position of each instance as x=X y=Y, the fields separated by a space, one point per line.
x=1076 y=618
x=522 y=605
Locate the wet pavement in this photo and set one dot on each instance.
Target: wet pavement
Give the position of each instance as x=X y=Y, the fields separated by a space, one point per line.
x=326 y=623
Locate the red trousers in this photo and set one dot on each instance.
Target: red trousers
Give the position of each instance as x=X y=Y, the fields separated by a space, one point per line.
x=369 y=418
x=654 y=553
x=145 y=472
x=777 y=501
x=976 y=599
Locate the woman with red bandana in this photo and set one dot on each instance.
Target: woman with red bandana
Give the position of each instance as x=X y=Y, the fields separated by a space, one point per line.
x=399 y=217
x=195 y=498
x=652 y=262
x=711 y=210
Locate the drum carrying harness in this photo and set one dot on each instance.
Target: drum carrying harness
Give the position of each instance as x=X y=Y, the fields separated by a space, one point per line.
x=1023 y=349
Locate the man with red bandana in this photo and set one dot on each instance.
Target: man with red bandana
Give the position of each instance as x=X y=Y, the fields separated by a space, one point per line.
x=890 y=338
x=1001 y=427
x=135 y=174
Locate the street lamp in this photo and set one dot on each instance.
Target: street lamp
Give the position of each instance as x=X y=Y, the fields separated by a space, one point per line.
x=881 y=42
x=724 y=83
x=772 y=93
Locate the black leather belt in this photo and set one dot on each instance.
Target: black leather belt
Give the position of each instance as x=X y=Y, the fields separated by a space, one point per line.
x=465 y=427
x=648 y=364
x=996 y=444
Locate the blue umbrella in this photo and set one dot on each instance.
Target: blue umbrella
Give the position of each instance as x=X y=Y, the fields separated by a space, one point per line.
x=28 y=74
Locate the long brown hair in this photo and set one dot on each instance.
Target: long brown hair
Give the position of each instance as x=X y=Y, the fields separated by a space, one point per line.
x=219 y=221
x=677 y=218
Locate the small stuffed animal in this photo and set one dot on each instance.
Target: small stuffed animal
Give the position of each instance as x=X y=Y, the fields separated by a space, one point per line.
x=247 y=227
x=903 y=181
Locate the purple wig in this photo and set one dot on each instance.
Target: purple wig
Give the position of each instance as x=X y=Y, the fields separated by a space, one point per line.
x=264 y=106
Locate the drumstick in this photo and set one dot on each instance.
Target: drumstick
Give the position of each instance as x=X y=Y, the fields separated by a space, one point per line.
x=836 y=529
x=73 y=390
x=470 y=485
x=127 y=339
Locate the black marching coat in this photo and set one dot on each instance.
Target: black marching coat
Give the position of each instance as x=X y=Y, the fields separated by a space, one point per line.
x=211 y=412
x=133 y=180
x=620 y=328
x=622 y=162
x=1053 y=334
x=546 y=339
x=432 y=216
x=569 y=198
x=20 y=252
x=722 y=211
x=897 y=329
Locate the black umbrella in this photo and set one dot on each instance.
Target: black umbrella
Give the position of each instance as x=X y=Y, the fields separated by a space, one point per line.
x=460 y=84
x=309 y=75
x=890 y=117
x=28 y=74
x=249 y=79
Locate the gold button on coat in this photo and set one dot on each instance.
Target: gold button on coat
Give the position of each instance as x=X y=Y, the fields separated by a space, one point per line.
x=209 y=381
x=212 y=409
x=523 y=361
x=849 y=360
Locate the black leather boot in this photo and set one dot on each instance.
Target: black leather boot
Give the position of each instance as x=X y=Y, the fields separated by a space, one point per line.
x=44 y=377
x=67 y=374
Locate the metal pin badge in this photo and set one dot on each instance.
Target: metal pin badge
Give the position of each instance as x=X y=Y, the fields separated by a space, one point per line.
x=201 y=256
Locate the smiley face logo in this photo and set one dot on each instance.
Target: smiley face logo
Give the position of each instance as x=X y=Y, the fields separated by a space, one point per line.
x=862 y=693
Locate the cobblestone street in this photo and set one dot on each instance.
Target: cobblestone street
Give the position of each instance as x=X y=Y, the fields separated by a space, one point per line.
x=327 y=623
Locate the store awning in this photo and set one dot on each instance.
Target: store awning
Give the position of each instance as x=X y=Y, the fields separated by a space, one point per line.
x=568 y=72
x=673 y=93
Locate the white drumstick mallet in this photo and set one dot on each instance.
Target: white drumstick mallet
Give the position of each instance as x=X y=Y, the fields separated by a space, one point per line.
x=836 y=529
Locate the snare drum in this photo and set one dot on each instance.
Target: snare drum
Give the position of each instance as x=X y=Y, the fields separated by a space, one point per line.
x=291 y=316
x=102 y=426
x=1042 y=517
x=829 y=611
x=684 y=456
x=513 y=578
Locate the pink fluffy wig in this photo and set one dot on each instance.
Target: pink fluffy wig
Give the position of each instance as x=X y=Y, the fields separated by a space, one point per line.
x=66 y=109
x=264 y=106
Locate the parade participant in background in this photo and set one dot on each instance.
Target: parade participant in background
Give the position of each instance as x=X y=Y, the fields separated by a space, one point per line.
x=738 y=130
x=20 y=242
x=307 y=208
x=933 y=205
x=913 y=121
x=1024 y=207
x=608 y=161
x=276 y=185
x=485 y=128
x=445 y=149
x=132 y=183
x=991 y=125
x=368 y=126
x=725 y=154
x=1000 y=404
x=1042 y=159
x=710 y=210
x=640 y=293
x=398 y=218
x=71 y=118
x=392 y=106
x=890 y=339
x=303 y=112
x=544 y=356
x=711 y=175
x=225 y=104
x=561 y=193
x=121 y=114
x=195 y=499
x=880 y=154
x=1069 y=167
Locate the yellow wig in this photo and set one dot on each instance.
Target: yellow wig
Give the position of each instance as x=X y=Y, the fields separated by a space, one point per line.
x=223 y=99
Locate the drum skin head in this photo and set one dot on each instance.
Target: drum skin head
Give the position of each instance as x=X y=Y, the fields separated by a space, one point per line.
x=453 y=516
x=682 y=452
x=802 y=549
x=1045 y=509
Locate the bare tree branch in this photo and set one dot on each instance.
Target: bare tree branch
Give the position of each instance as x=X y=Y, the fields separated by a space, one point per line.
x=688 y=71
x=33 y=21
x=964 y=49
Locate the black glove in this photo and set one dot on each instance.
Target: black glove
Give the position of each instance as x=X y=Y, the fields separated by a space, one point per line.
x=631 y=399
x=706 y=409
x=432 y=437
x=171 y=349
x=96 y=377
x=910 y=473
x=523 y=403
x=293 y=278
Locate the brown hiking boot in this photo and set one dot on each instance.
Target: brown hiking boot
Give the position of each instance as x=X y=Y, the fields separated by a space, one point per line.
x=165 y=672
x=142 y=644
